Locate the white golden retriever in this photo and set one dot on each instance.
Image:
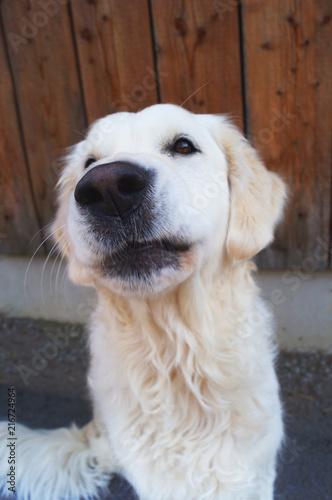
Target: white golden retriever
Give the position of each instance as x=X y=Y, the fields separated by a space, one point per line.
x=160 y=210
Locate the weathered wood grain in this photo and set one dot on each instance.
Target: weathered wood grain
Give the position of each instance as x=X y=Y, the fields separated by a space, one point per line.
x=288 y=80
x=195 y=47
x=18 y=220
x=47 y=87
x=198 y=47
x=115 y=54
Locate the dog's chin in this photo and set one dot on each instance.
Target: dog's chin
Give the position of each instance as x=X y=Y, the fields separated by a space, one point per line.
x=146 y=268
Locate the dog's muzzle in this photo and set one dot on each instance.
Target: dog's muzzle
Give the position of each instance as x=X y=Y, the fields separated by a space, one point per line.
x=113 y=189
x=118 y=203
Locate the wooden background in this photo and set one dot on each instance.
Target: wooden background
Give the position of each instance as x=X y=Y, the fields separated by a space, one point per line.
x=265 y=62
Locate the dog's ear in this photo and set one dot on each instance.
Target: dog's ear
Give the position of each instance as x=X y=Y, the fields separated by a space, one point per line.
x=257 y=197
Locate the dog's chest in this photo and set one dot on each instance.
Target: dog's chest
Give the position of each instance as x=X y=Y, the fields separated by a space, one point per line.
x=159 y=428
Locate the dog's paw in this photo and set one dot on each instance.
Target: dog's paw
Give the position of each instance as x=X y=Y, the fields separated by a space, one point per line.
x=62 y=464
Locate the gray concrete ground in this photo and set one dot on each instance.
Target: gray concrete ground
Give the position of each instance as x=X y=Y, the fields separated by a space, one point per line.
x=54 y=394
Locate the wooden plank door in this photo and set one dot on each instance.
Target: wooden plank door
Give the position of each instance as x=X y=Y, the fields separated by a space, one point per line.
x=288 y=79
x=46 y=79
x=114 y=43
x=198 y=54
x=18 y=217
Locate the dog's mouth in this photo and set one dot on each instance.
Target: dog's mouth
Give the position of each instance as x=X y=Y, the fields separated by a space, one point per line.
x=141 y=259
x=162 y=245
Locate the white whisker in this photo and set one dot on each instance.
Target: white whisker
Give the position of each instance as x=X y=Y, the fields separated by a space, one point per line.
x=44 y=267
x=200 y=88
x=40 y=231
x=60 y=250
x=73 y=129
x=66 y=245
x=33 y=256
x=63 y=284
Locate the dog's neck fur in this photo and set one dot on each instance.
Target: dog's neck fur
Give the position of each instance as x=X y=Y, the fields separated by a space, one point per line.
x=184 y=340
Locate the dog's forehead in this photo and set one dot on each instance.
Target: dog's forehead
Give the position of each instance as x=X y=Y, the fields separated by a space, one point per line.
x=146 y=128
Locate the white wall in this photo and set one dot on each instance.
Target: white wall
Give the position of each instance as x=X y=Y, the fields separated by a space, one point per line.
x=302 y=302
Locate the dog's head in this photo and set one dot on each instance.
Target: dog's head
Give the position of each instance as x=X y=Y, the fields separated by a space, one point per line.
x=150 y=198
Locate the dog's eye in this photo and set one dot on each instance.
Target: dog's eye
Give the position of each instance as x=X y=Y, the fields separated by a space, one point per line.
x=89 y=162
x=183 y=147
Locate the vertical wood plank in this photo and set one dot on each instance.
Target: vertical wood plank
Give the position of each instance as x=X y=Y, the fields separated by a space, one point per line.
x=18 y=221
x=46 y=79
x=116 y=55
x=198 y=45
x=288 y=87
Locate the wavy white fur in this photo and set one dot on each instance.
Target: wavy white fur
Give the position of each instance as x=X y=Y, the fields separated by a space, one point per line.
x=182 y=376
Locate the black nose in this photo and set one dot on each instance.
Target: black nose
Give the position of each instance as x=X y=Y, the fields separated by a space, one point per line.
x=114 y=189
